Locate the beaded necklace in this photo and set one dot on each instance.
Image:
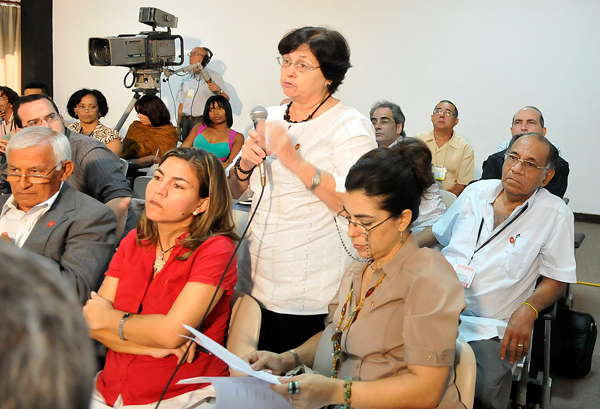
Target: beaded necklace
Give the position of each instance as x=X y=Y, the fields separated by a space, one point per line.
x=286 y=116
x=337 y=336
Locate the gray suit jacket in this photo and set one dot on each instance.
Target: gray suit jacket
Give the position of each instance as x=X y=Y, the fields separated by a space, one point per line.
x=78 y=233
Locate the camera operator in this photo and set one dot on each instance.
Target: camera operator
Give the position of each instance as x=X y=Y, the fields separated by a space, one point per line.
x=195 y=90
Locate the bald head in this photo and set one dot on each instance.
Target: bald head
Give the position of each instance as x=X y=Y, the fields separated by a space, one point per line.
x=528 y=119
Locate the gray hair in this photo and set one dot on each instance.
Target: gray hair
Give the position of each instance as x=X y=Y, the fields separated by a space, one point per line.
x=40 y=136
x=46 y=355
x=396 y=113
x=552 y=155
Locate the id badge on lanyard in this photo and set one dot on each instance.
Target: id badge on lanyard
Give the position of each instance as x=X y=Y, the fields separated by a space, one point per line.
x=439 y=172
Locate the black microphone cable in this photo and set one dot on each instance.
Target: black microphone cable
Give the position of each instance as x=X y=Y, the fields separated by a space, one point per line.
x=212 y=299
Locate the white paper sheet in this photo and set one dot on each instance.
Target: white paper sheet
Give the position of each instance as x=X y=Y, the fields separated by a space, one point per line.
x=230 y=359
x=241 y=393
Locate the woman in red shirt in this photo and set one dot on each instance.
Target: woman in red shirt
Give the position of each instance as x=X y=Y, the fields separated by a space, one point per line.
x=162 y=276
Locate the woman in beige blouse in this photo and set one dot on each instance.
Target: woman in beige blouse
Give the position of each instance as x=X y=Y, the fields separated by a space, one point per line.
x=89 y=105
x=395 y=317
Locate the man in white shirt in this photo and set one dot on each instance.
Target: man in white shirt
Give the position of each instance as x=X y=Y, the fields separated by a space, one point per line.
x=196 y=89
x=500 y=236
x=50 y=218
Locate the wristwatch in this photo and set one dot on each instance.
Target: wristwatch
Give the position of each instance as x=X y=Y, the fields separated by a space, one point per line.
x=125 y=317
x=316 y=180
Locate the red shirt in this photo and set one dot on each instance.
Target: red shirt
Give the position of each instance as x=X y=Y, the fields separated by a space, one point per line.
x=141 y=379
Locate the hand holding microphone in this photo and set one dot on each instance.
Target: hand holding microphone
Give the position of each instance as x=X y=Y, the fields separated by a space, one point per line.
x=259 y=116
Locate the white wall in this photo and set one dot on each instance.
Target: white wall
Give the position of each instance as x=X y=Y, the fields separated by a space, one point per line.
x=490 y=58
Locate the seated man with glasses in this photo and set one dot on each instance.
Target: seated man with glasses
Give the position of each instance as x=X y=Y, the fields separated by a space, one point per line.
x=195 y=89
x=388 y=120
x=50 y=218
x=500 y=236
x=453 y=157
x=97 y=171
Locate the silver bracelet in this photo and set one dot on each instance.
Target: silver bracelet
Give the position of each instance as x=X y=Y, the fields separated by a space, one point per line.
x=297 y=361
x=125 y=317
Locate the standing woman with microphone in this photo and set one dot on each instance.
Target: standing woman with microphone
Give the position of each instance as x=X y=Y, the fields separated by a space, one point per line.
x=294 y=262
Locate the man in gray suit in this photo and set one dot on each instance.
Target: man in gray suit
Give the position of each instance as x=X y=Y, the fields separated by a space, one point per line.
x=50 y=218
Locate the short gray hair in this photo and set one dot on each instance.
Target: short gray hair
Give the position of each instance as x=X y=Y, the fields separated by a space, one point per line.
x=396 y=113
x=46 y=355
x=41 y=135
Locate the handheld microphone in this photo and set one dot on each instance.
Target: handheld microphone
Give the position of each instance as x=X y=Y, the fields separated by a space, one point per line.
x=259 y=114
x=206 y=77
x=187 y=68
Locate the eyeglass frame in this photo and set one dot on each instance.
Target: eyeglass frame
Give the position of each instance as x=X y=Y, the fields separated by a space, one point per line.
x=51 y=117
x=446 y=113
x=380 y=122
x=282 y=59
x=39 y=179
x=194 y=53
x=515 y=159
x=357 y=224
x=87 y=109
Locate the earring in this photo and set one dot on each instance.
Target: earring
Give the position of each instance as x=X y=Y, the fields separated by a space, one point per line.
x=195 y=213
x=401 y=237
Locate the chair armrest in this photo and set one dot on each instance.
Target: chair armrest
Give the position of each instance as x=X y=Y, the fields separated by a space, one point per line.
x=579 y=237
x=550 y=312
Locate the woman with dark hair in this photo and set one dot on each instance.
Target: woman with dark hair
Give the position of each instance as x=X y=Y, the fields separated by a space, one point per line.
x=432 y=206
x=294 y=263
x=395 y=317
x=89 y=105
x=162 y=276
x=215 y=134
x=150 y=137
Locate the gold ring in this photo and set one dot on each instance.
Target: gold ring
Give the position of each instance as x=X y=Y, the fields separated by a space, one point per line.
x=520 y=345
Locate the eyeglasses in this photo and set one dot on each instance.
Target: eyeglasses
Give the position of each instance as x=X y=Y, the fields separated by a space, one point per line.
x=37 y=178
x=439 y=111
x=194 y=53
x=300 y=66
x=86 y=109
x=512 y=160
x=382 y=121
x=53 y=117
x=361 y=228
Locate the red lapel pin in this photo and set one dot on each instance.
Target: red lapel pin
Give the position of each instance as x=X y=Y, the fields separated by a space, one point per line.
x=51 y=223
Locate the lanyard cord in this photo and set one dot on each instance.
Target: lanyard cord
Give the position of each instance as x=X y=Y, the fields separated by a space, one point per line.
x=497 y=233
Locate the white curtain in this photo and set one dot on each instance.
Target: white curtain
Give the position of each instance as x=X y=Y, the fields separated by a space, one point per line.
x=10 y=46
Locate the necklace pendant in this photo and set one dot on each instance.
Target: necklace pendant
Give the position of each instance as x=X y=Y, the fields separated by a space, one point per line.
x=159 y=263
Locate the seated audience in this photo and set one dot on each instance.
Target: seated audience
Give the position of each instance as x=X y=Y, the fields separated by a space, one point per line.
x=36 y=88
x=388 y=120
x=528 y=119
x=401 y=352
x=152 y=136
x=46 y=357
x=453 y=157
x=49 y=217
x=97 y=172
x=214 y=133
x=8 y=98
x=500 y=235
x=162 y=276
x=89 y=105
x=432 y=206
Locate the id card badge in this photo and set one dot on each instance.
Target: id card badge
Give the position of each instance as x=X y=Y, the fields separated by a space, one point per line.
x=191 y=93
x=439 y=172
x=465 y=274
